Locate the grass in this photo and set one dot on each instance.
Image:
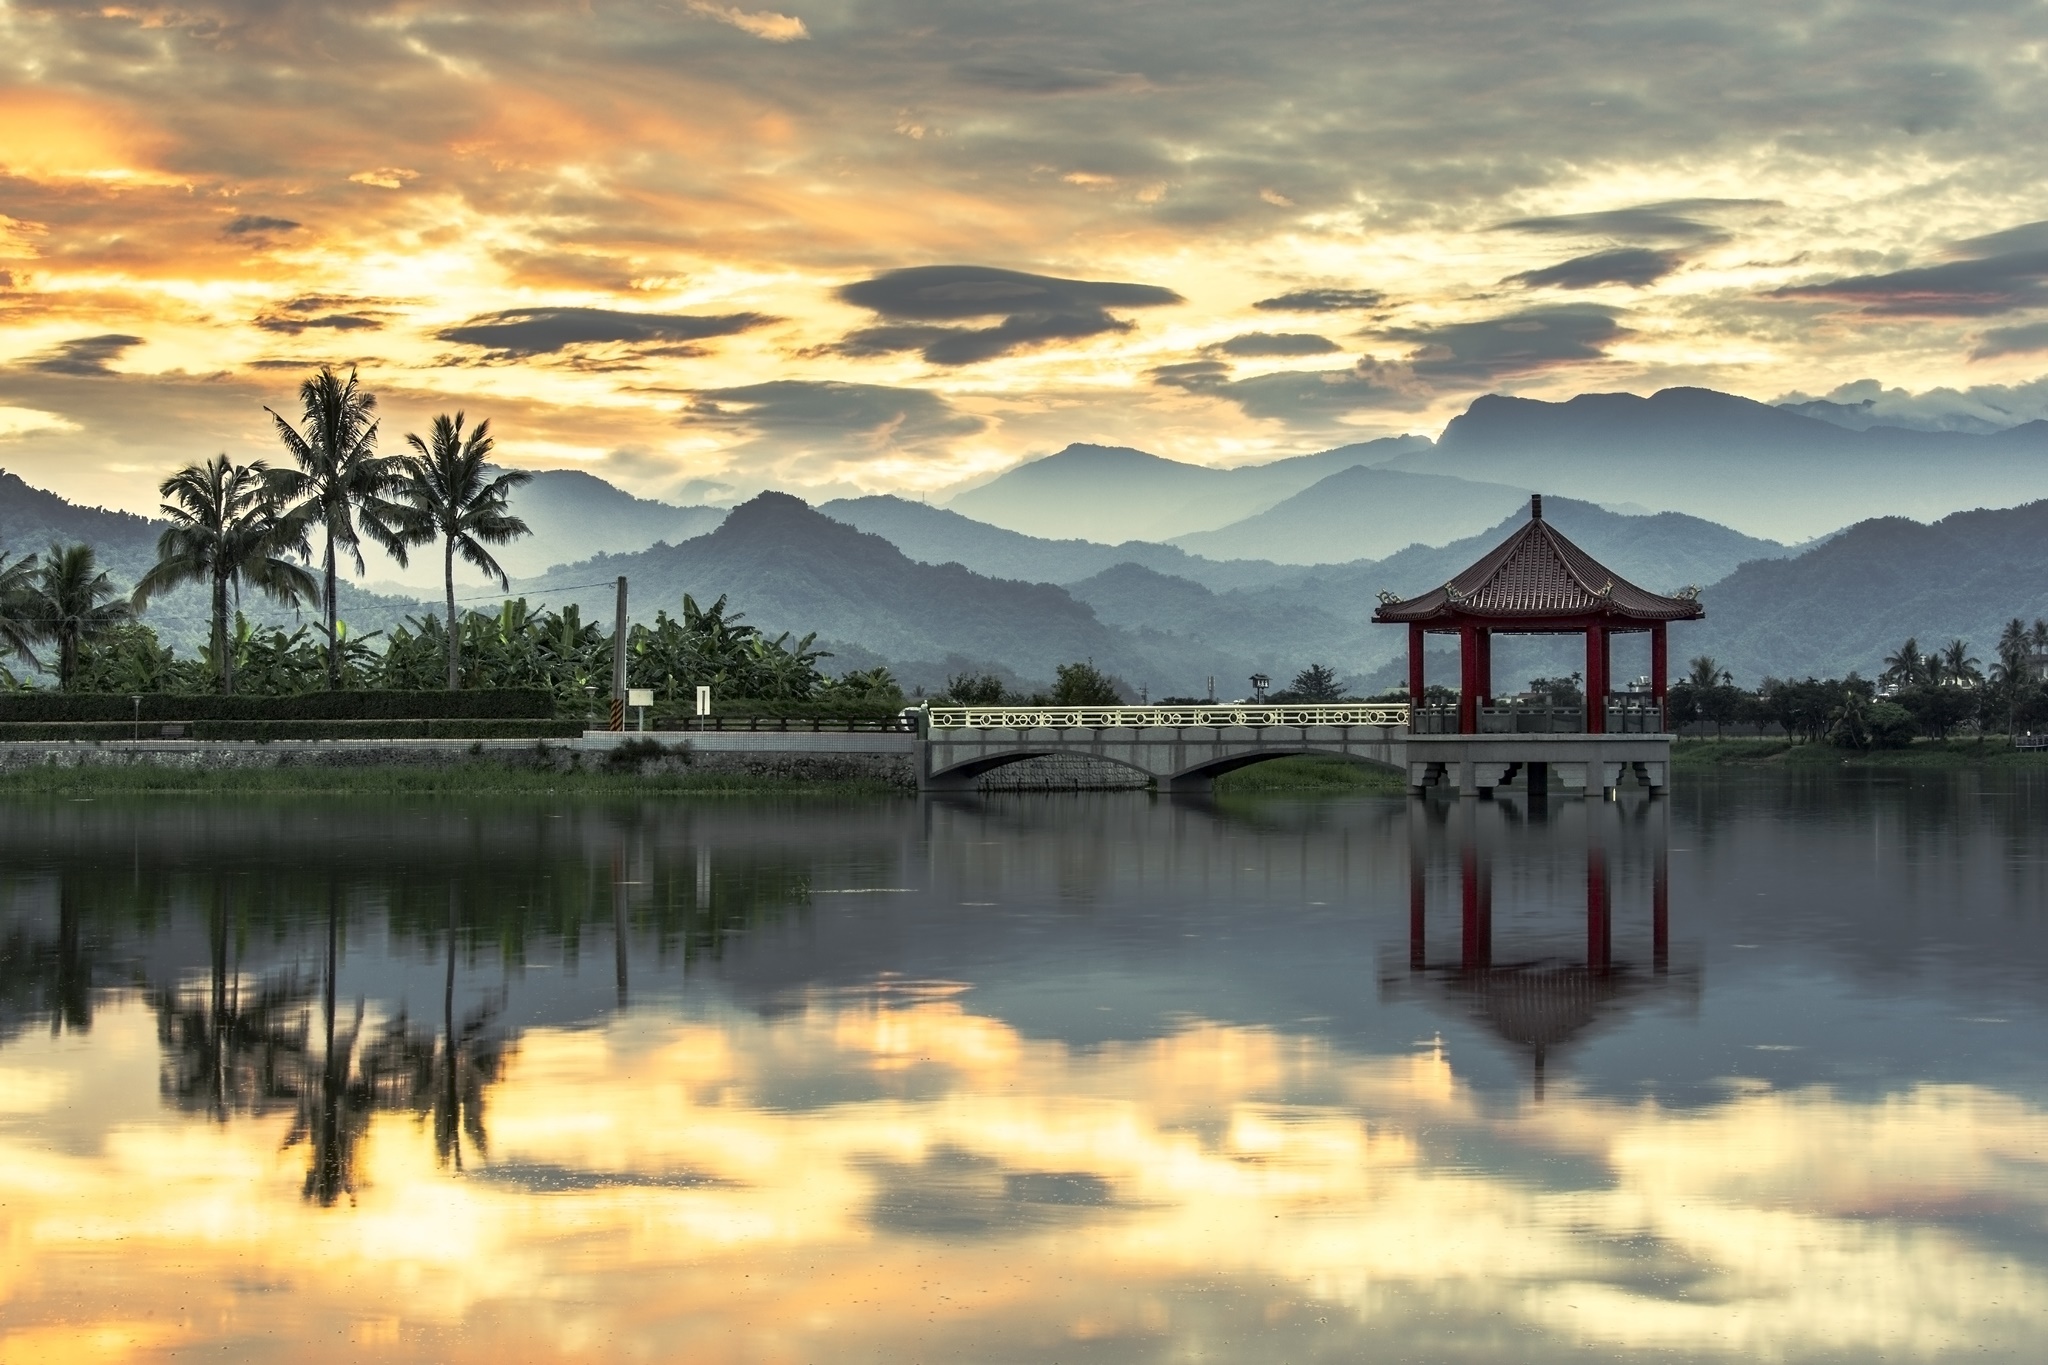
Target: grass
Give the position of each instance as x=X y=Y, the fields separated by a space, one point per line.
x=384 y=780
x=1977 y=751
x=1308 y=774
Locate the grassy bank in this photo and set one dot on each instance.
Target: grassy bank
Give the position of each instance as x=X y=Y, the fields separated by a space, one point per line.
x=1307 y=774
x=1994 y=751
x=463 y=780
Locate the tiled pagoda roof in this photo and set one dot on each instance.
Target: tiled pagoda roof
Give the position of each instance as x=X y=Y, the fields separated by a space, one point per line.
x=1537 y=574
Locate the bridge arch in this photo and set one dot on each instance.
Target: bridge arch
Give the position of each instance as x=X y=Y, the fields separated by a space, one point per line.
x=967 y=775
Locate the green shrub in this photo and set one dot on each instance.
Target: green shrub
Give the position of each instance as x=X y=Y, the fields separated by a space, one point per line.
x=506 y=703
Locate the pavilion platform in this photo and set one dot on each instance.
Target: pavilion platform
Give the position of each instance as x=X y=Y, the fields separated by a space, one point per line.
x=1582 y=764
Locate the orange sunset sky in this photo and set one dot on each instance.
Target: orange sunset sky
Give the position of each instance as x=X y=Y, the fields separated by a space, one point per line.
x=890 y=245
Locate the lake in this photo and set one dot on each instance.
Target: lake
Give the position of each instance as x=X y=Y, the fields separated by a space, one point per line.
x=1755 y=1072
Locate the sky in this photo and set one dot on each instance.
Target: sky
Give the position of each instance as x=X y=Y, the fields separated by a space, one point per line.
x=841 y=246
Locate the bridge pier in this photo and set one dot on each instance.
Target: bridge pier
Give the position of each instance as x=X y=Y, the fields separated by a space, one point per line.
x=1586 y=764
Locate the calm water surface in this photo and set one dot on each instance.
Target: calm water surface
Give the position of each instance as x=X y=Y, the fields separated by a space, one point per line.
x=1755 y=1073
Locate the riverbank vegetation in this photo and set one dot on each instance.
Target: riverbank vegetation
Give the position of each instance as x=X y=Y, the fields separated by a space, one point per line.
x=483 y=778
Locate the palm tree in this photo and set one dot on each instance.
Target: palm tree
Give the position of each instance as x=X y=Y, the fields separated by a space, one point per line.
x=443 y=493
x=69 y=604
x=340 y=482
x=1959 y=666
x=1707 y=674
x=1905 y=667
x=18 y=629
x=227 y=526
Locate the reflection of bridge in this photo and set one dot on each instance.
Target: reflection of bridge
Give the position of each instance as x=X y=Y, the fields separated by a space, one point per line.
x=1185 y=748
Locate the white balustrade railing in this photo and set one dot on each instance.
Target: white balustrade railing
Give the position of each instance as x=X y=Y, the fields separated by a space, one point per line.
x=1133 y=717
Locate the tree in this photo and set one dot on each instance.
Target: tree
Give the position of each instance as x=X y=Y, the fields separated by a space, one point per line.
x=227 y=527
x=1905 y=666
x=340 y=483
x=1707 y=674
x=1959 y=666
x=71 y=603
x=1316 y=683
x=1083 y=684
x=443 y=493
x=969 y=689
x=18 y=629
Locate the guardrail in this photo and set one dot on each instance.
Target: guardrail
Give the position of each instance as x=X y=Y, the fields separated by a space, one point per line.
x=1134 y=717
x=823 y=725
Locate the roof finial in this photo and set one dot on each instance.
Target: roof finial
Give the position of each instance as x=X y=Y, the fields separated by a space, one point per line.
x=1535 y=507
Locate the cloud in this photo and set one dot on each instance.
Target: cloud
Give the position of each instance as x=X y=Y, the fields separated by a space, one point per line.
x=1034 y=309
x=1519 y=343
x=249 y=223
x=1275 y=343
x=520 y=332
x=386 y=177
x=1314 y=398
x=84 y=356
x=1631 y=265
x=1981 y=408
x=324 y=312
x=2000 y=272
x=2025 y=339
x=764 y=24
x=791 y=405
x=1323 y=301
x=1666 y=222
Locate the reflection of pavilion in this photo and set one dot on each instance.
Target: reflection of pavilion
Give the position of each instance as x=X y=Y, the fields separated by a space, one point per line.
x=1539 y=1003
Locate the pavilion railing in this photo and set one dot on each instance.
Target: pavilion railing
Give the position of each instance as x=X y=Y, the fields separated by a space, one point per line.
x=1133 y=717
x=1628 y=713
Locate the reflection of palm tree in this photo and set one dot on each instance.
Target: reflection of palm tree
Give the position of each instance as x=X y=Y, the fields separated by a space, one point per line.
x=335 y=1113
x=241 y=1051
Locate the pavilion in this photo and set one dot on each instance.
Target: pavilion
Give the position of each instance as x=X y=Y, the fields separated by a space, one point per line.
x=1536 y=582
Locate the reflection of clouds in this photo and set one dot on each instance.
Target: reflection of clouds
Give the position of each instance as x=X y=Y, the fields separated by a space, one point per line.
x=1119 y=1195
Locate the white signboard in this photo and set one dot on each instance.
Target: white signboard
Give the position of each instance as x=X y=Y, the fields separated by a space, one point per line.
x=639 y=696
x=703 y=701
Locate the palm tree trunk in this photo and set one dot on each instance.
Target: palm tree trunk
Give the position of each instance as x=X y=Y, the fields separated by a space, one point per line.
x=333 y=640
x=454 y=634
x=221 y=651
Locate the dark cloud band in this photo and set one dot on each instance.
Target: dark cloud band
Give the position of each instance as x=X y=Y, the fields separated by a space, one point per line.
x=1035 y=310
x=543 y=331
x=1630 y=265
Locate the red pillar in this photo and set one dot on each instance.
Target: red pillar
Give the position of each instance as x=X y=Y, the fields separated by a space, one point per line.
x=1417 y=680
x=1485 y=666
x=1476 y=883
x=1468 y=680
x=1599 y=907
x=1660 y=674
x=1596 y=678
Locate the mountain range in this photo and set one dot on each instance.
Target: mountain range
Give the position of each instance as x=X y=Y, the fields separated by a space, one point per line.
x=1272 y=567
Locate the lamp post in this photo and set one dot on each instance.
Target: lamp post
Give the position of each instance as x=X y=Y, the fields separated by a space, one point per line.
x=1260 y=682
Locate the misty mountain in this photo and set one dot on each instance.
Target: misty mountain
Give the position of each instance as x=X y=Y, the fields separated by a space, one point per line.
x=789 y=567
x=1360 y=513
x=574 y=515
x=1758 y=468
x=1847 y=603
x=938 y=535
x=1112 y=494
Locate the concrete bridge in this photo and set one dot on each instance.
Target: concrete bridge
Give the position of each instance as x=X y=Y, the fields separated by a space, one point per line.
x=1186 y=748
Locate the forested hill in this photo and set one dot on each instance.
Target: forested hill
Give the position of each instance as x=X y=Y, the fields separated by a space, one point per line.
x=789 y=567
x=1848 y=603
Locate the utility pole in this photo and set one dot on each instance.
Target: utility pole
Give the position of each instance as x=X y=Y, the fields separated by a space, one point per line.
x=619 y=663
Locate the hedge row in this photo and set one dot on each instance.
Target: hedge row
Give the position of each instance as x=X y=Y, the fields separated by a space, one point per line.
x=456 y=727
x=499 y=703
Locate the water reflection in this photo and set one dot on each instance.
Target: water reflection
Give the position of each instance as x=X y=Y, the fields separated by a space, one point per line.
x=1541 y=1001
x=1107 y=1079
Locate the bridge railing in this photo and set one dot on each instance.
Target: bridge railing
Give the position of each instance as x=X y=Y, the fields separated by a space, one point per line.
x=1133 y=717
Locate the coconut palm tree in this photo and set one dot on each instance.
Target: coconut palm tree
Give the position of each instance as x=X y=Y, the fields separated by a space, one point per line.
x=69 y=603
x=340 y=483
x=444 y=492
x=1959 y=666
x=18 y=630
x=227 y=527
x=1707 y=674
x=1906 y=666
